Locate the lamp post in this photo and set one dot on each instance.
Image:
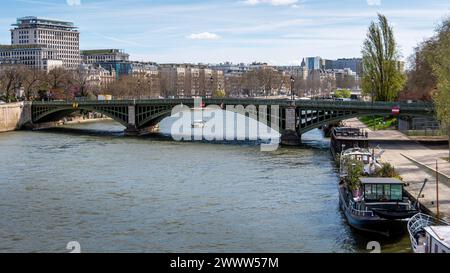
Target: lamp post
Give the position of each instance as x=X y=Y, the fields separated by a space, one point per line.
x=292 y=88
x=373 y=99
x=212 y=84
x=139 y=88
x=149 y=84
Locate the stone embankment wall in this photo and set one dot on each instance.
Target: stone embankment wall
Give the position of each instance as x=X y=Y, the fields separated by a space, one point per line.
x=14 y=116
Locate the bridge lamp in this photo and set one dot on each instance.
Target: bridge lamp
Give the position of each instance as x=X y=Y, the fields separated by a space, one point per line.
x=292 y=87
x=139 y=88
x=212 y=85
x=373 y=98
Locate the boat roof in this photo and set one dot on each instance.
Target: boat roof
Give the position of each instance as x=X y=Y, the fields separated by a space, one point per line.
x=440 y=233
x=380 y=180
x=348 y=129
x=357 y=151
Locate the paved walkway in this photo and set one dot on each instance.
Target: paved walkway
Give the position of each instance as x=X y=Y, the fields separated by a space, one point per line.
x=415 y=163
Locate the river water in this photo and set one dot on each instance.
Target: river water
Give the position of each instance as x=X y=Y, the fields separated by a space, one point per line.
x=88 y=183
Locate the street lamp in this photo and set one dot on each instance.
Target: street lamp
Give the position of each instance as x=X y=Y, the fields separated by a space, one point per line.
x=212 y=84
x=150 y=89
x=373 y=99
x=292 y=87
x=139 y=88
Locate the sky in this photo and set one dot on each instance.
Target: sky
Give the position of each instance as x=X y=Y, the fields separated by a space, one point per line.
x=280 y=32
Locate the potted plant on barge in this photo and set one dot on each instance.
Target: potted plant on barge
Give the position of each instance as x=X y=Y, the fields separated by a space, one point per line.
x=355 y=170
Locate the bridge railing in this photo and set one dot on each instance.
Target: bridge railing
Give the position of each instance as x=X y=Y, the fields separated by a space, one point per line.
x=423 y=106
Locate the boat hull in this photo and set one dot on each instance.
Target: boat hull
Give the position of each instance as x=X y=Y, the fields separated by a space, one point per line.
x=371 y=224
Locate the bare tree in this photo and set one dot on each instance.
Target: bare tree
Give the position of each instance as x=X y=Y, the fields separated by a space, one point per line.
x=58 y=81
x=81 y=81
x=33 y=79
x=11 y=79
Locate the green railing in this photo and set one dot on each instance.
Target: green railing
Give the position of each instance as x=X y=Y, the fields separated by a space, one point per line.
x=422 y=106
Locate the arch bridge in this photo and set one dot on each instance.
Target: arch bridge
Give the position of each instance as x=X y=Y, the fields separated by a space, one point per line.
x=296 y=118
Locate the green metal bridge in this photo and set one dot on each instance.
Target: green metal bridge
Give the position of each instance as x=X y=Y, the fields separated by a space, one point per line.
x=296 y=117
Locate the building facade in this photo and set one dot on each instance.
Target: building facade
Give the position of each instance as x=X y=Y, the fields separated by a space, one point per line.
x=60 y=36
x=355 y=64
x=32 y=56
x=104 y=55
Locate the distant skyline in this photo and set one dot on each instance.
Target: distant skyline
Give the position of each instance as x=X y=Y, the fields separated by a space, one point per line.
x=280 y=32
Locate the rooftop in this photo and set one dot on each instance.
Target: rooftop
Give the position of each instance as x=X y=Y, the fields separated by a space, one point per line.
x=380 y=180
x=28 y=21
x=102 y=51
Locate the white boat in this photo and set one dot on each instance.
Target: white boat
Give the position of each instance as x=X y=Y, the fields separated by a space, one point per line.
x=429 y=234
x=369 y=158
x=199 y=124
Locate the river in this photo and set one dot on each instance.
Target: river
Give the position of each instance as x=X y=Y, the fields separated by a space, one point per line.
x=88 y=183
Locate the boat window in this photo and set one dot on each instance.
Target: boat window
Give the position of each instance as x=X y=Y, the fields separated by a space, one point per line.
x=368 y=193
x=396 y=192
x=387 y=192
x=436 y=248
x=383 y=192
x=380 y=194
x=366 y=159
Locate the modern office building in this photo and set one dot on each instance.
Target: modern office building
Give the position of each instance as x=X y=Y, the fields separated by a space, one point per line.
x=355 y=64
x=313 y=63
x=60 y=36
x=110 y=59
x=104 y=55
x=32 y=56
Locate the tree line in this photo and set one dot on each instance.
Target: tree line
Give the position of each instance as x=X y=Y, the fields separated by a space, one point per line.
x=63 y=84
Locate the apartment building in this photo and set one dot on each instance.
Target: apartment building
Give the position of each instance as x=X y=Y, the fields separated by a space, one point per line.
x=32 y=56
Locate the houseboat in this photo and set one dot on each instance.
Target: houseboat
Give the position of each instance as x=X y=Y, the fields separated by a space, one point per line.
x=343 y=138
x=378 y=205
x=429 y=234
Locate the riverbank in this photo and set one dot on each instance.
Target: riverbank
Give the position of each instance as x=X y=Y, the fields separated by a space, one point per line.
x=415 y=162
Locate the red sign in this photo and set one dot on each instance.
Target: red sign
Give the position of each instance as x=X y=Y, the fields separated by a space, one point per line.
x=396 y=110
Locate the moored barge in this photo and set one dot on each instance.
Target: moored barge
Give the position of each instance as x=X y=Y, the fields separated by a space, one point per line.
x=343 y=138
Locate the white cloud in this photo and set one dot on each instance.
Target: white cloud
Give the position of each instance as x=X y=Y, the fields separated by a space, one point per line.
x=374 y=2
x=271 y=2
x=73 y=3
x=204 y=36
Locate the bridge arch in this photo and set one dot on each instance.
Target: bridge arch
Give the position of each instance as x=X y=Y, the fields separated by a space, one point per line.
x=56 y=113
x=334 y=119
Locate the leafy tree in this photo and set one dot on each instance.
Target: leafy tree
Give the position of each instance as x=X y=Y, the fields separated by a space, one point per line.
x=343 y=94
x=441 y=68
x=421 y=83
x=219 y=94
x=381 y=62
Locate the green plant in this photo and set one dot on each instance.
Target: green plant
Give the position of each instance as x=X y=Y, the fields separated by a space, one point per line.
x=355 y=170
x=343 y=94
x=388 y=171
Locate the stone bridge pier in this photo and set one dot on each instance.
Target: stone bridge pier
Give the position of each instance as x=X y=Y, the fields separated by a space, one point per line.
x=131 y=129
x=289 y=135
